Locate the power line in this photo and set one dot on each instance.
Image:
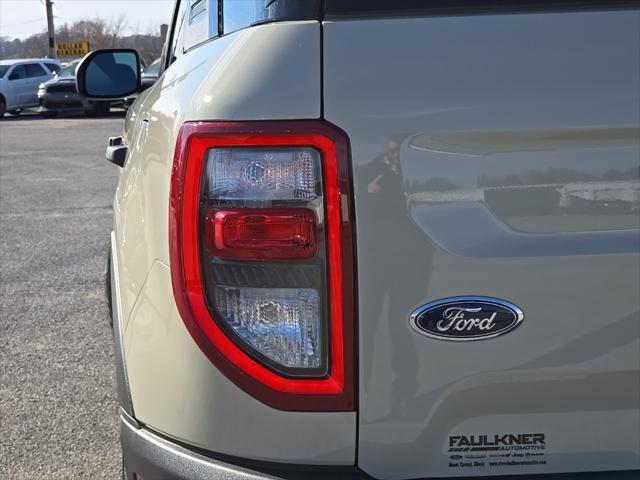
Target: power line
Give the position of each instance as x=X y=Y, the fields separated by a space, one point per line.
x=22 y=23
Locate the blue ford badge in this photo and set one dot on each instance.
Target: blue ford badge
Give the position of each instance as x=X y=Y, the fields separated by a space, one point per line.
x=466 y=318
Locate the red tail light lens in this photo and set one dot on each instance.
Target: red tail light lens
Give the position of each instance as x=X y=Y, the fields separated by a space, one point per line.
x=261 y=233
x=261 y=257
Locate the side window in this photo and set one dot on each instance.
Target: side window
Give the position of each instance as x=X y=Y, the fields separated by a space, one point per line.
x=241 y=13
x=244 y=13
x=18 y=73
x=35 y=70
x=53 y=67
x=196 y=21
x=202 y=22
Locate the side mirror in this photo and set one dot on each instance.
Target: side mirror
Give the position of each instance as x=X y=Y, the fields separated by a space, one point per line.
x=109 y=74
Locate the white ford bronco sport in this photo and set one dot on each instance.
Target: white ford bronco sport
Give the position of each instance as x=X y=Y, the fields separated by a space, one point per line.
x=379 y=240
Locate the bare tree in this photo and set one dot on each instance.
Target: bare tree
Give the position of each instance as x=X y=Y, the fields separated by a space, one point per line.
x=116 y=28
x=99 y=32
x=36 y=46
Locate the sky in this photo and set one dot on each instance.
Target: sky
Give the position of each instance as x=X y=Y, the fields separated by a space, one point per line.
x=23 y=18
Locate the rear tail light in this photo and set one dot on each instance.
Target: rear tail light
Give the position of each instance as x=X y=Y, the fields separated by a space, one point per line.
x=260 y=233
x=261 y=257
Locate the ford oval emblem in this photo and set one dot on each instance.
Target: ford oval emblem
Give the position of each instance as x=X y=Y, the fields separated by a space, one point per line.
x=466 y=318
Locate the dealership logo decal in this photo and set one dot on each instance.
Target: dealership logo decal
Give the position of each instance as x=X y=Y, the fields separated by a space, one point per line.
x=481 y=452
x=487 y=443
x=466 y=318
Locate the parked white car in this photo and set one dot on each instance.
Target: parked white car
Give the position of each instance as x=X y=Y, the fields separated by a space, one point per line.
x=19 y=80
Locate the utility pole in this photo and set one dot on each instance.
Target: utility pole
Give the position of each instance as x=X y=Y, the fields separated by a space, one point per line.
x=52 y=41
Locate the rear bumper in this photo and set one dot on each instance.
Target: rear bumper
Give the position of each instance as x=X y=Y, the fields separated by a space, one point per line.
x=151 y=456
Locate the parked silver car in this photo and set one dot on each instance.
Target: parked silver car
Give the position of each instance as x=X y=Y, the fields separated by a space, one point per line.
x=373 y=239
x=19 y=80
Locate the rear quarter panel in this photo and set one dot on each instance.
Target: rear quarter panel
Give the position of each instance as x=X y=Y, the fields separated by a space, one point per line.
x=266 y=72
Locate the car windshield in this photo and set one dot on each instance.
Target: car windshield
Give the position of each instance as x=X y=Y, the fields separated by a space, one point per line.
x=152 y=70
x=68 y=71
x=3 y=70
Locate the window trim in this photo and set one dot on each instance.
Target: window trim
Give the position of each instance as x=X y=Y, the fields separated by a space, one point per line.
x=199 y=18
x=169 y=58
x=167 y=61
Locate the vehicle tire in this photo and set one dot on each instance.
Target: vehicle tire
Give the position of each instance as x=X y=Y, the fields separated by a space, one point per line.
x=50 y=114
x=15 y=112
x=102 y=108
x=3 y=106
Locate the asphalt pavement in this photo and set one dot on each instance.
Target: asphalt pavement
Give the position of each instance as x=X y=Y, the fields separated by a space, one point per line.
x=58 y=406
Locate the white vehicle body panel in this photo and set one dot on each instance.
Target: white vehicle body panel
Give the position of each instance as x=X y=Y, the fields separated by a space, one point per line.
x=463 y=99
x=174 y=388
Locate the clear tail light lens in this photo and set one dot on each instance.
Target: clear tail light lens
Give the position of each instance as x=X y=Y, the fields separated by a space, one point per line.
x=261 y=257
x=281 y=323
x=262 y=204
x=263 y=173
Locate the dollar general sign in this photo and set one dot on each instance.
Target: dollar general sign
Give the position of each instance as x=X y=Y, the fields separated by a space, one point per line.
x=72 y=49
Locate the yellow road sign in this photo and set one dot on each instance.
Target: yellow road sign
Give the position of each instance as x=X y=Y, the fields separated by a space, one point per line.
x=72 y=49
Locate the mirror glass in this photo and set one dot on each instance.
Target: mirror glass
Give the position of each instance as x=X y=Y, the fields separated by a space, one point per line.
x=112 y=74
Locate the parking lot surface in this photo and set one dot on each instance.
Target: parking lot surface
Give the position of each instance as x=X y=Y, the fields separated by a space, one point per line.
x=58 y=407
